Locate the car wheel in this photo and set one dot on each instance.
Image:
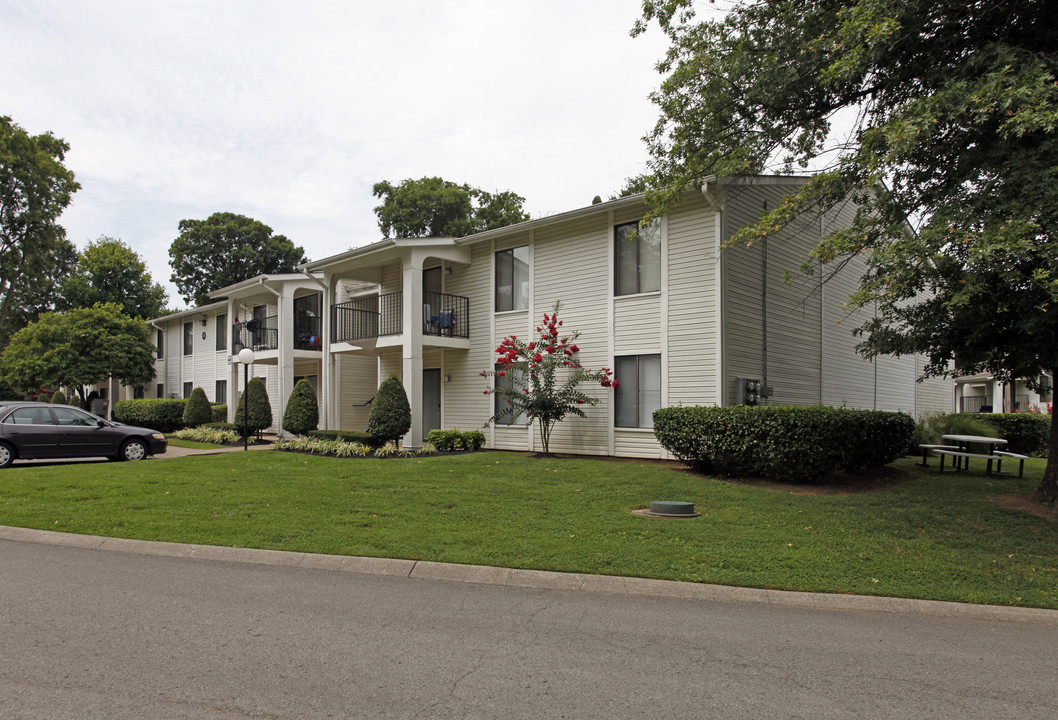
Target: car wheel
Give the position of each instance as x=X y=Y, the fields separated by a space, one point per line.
x=7 y=455
x=133 y=450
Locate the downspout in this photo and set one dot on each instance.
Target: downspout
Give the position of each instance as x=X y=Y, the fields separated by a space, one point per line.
x=764 y=314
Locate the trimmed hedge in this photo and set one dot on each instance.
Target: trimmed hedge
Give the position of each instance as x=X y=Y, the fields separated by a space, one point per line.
x=161 y=414
x=223 y=426
x=219 y=411
x=350 y=436
x=447 y=440
x=197 y=411
x=796 y=444
x=390 y=418
x=302 y=412
x=1025 y=433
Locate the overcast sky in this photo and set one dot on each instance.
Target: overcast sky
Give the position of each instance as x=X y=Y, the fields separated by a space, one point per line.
x=290 y=111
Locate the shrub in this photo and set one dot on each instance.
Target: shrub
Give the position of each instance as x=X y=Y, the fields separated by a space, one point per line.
x=260 y=415
x=798 y=444
x=390 y=418
x=59 y=398
x=448 y=440
x=197 y=410
x=209 y=435
x=219 y=412
x=351 y=436
x=161 y=414
x=1025 y=433
x=302 y=412
x=223 y=426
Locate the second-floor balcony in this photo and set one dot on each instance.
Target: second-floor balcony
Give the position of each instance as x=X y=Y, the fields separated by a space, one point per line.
x=257 y=334
x=377 y=316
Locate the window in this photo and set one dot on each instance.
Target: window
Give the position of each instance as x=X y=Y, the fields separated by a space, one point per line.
x=161 y=337
x=188 y=387
x=637 y=258
x=638 y=392
x=307 y=327
x=29 y=416
x=500 y=405
x=220 y=393
x=69 y=416
x=139 y=392
x=512 y=279
x=189 y=335
x=160 y=390
x=222 y=331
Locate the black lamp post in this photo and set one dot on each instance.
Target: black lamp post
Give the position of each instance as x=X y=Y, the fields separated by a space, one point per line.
x=246 y=357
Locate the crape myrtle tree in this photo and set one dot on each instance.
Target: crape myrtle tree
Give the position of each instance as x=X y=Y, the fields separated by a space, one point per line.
x=936 y=118
x=35 y=188
x=225 y=249
x=79 y=348
x=434 y=207
x=540 y=379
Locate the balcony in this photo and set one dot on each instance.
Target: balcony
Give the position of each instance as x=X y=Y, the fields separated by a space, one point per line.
x=257 y=334
x=443 y=315
x=307 y=332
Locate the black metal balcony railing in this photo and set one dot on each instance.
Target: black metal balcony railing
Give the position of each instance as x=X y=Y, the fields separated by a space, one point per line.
x=974 y=403
x=381 y=315
x=445 y=315
x=257 y=334
x=307 y=329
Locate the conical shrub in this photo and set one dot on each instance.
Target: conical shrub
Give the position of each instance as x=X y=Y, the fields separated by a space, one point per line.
x=302 y=412
x=197 y=411
x=390 y=418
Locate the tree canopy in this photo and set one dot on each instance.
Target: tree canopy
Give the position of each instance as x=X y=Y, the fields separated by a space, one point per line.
x=225 y=249
x=35 y=188
x=940 y=112
x=108 y=270
x=433 y=207
x=78 y=348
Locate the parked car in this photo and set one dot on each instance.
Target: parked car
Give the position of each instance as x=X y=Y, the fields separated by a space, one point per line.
x=36 y=430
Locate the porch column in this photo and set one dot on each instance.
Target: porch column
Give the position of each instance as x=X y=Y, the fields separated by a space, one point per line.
x=412 y=344
x=233 y=368
x=328 y=394
x=285 y=361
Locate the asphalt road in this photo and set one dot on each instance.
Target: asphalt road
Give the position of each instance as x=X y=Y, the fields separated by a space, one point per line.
x=90 y=633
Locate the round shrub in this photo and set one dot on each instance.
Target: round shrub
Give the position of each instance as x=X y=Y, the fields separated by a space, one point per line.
x=197 y=410
x=302 y=412
x=59 y=398
x=260 y=415
x=390 y=418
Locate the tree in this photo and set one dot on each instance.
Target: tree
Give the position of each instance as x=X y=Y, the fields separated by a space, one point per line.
x=942 y=112
x=40 y=293
x=197 y=410
x=260 y=415
x=528 y=380
x=35 y=187
x=433 y=207
x=632 y=186
x=82 y=347
x=224 y=249
x=302 y=412
x=390 y=418
x=108 y=270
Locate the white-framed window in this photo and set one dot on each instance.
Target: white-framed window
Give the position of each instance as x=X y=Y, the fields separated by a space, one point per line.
x=637 y=258
x=638 y=392
x=510 y=381
x=189 y=337
x=512 y=279
x=222 y=331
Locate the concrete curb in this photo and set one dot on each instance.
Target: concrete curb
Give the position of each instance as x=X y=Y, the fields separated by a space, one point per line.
x=540 y=579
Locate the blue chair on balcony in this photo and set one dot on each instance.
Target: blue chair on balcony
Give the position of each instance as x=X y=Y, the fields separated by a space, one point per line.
x=445 y=321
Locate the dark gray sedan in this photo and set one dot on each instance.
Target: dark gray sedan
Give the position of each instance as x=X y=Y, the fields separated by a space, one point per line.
x=34 y=430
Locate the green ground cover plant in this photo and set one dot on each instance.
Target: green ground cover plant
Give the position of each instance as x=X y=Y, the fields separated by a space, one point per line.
x=965 y=538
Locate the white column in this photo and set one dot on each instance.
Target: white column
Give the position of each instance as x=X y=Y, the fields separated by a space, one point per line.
x=328 y=393
x=285 y=362
x=233 y=367
x=412 y=345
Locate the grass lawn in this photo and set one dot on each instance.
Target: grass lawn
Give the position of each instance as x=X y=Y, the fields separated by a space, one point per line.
x=962 y=538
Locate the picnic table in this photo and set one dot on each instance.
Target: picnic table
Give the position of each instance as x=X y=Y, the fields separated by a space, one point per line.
x=957 y=447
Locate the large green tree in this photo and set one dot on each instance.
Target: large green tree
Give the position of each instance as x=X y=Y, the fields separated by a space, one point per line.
x=224 y=249
x=942 y=112
x=35 y=187
x=433 y=207
x=79 y=348
x=108 y=270
x=39 y=293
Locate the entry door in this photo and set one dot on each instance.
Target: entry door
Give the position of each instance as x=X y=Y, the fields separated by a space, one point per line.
x=431 y=401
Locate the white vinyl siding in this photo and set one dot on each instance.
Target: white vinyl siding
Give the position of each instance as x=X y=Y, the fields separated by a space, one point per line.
x=463 y=402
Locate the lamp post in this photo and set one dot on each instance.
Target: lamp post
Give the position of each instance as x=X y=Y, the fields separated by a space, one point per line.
x=246 y=357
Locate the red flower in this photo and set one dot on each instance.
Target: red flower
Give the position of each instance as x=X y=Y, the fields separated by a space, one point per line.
x=615 y=384
x=501 y=373
x=538 y=357
x=574 y=348
x=550 y=349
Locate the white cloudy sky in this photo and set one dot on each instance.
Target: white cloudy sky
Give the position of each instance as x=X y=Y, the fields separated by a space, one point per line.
x=289 y=111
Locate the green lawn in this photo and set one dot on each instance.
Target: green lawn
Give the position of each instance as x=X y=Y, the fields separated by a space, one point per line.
x=935 y=537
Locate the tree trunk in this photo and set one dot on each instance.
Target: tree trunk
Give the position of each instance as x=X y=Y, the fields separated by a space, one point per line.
x=1048 y=489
